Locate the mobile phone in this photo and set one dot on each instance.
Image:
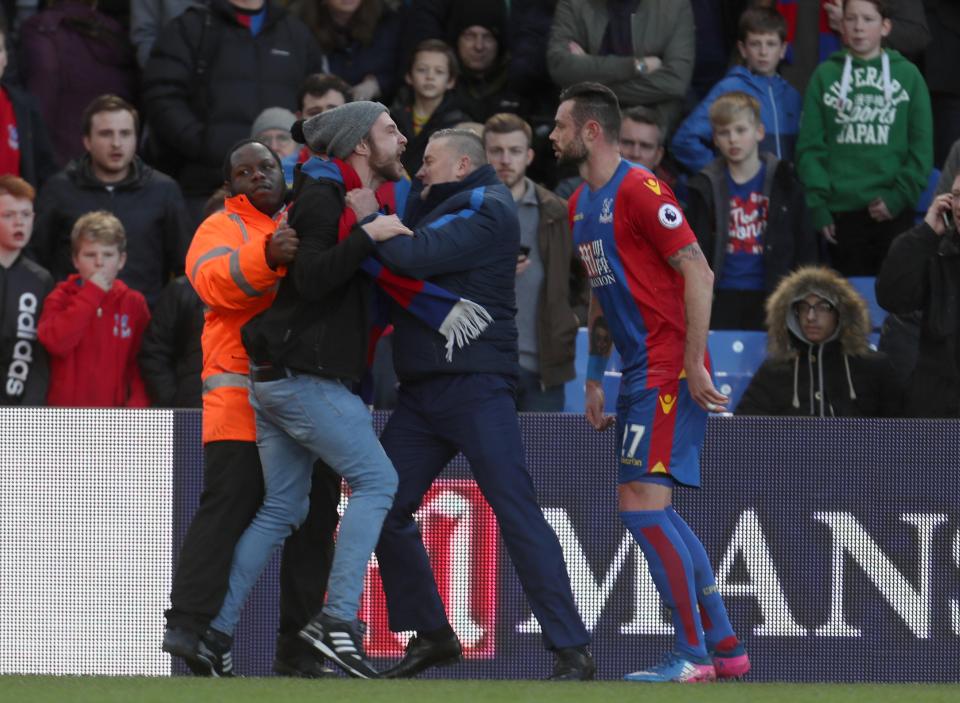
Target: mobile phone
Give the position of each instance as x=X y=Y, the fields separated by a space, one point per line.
x=524 y=251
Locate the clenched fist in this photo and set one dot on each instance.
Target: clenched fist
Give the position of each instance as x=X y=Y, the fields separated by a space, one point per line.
x=282 y=245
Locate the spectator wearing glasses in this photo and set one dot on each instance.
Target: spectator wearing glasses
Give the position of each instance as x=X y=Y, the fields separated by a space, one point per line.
x=819 y=362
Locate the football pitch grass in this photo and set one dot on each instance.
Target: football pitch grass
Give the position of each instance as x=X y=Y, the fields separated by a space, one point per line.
x=93 y=689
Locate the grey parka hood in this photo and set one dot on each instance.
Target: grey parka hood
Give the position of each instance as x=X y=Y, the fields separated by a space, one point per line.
x=784 y=338
x=786 y=341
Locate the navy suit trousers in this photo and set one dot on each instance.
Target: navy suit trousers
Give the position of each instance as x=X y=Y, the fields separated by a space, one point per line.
x=475 y=414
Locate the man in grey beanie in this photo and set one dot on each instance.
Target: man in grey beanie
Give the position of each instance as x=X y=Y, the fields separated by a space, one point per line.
x=306 y=353
x=337 y=131
x=272 y=127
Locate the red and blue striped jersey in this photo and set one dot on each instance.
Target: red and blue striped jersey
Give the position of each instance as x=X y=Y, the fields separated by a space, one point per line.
x=624 y=233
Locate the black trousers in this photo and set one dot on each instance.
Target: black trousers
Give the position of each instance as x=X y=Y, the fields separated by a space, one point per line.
x=232 y=494
x=862 y=242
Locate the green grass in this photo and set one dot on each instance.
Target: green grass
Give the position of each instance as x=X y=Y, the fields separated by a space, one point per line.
x=76 y=689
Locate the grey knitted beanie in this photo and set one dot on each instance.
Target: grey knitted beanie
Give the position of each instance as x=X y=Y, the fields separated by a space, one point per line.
x=272 y=118
x=337 y=132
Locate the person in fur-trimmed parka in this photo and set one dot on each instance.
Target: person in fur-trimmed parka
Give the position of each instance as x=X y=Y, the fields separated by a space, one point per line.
x=818 y=361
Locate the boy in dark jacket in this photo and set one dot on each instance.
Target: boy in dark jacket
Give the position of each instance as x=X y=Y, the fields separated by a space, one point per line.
x=23 y=287
x=819 y=362
x=749 y=216
x=428 y=103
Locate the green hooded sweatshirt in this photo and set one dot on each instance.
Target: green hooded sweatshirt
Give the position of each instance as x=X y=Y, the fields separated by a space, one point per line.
x=865 y=132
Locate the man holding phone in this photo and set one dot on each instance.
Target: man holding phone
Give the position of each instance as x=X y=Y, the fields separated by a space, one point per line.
x=922 y=272
x=552 y=291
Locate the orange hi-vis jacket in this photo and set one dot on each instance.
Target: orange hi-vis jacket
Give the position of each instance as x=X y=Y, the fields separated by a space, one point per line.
x=227 y=265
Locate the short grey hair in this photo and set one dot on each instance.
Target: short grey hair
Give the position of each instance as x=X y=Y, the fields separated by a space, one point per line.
x=465 y=142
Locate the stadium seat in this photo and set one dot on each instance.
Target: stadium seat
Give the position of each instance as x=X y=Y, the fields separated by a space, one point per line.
x=735 y=355
x=926 y=197
x=736 y=351
x=733 y=385
x=573 y=390
x=866 y=287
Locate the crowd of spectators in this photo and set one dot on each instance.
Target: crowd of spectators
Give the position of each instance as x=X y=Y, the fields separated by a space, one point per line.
x=794 y=134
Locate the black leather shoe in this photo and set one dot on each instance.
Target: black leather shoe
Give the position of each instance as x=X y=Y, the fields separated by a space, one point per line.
x=296 y=658
x=182 y=643
x=573 y=665
x=179 y=641
x=421 y=654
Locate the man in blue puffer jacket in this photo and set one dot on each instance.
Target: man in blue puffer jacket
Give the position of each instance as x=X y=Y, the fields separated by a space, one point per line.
x=467 y=238
x=762 y=44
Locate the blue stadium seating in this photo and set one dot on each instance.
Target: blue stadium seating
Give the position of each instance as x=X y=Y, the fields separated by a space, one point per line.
x=926 y=197
x=573 y=390
x=736 y=355
x=866 y=287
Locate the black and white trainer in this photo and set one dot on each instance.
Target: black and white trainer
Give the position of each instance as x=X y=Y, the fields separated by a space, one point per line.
x=213 y=654
x=342 y=643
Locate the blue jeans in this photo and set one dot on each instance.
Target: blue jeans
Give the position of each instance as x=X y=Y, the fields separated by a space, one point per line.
x=300 y=419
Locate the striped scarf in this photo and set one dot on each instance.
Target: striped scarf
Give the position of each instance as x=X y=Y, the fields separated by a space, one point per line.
x=459 y=320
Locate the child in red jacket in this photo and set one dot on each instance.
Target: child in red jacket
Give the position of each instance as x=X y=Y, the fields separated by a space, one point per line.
x=92 y=323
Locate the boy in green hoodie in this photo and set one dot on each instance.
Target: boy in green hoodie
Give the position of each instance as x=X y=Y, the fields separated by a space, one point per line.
x=865 y=147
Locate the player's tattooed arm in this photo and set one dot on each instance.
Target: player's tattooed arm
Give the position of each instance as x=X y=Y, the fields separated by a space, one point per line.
x=698 y=282
x=691 y=252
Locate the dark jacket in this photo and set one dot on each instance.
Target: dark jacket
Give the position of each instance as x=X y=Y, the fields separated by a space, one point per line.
x=943 y=18
x=353 y=61
x=319 y=322
x=467 y=238
x=23 y=360
x=483 y=95
x=69 y=55
x=37 y=161
x=171 y=357
x=841 y=377
x=922 y=272
x=147 y=202
x=208 y=78
x=447 y=114
x=788 y=240
x=565 y=294
x=425 y=19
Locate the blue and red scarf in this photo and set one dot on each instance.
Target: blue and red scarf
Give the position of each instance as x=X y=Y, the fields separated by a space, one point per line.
x=459 y=320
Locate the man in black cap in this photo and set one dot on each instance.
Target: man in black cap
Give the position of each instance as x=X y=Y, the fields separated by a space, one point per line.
x=306 y=352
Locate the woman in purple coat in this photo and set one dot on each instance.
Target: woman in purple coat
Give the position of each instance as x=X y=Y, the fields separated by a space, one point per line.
x=70 y=54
